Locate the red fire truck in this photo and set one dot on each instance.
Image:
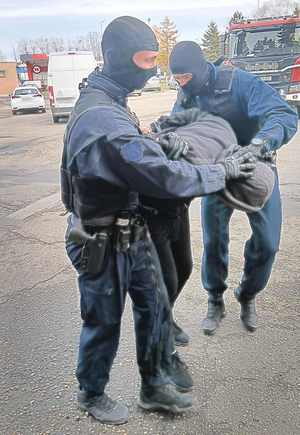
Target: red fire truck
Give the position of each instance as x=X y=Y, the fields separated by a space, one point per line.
x=269 y=48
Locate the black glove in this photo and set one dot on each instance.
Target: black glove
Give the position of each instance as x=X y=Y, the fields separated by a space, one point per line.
x=174 y=146
x=240 y=165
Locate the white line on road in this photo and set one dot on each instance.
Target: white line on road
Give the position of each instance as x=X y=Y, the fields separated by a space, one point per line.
x=36 y=207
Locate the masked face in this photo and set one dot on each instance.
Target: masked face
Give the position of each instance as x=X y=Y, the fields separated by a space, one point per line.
x=130 y=50
x=187 y=60
x=196 y=86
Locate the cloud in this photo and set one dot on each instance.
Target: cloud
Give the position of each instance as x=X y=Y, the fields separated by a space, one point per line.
x=35 y=8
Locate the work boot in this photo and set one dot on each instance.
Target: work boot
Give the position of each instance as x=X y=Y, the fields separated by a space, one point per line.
x=163 y=398
x=215 y=313
x=103 y=408
x=178 y=374
x=180 y=337
x=248 y=311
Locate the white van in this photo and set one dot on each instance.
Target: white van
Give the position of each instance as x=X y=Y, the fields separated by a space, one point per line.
x=65 y=71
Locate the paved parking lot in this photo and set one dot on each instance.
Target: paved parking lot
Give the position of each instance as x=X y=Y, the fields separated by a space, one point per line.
x=245 y=384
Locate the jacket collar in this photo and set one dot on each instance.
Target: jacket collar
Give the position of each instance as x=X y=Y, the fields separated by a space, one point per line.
x=100 y=81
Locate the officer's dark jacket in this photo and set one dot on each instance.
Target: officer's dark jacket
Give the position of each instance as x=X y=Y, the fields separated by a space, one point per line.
x=108 y=157
x=252 y=107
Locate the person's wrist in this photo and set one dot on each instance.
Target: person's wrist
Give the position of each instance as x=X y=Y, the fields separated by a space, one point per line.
x=260 y=145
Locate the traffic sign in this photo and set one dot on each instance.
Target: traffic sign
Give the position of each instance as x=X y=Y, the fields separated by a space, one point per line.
x=36 y=69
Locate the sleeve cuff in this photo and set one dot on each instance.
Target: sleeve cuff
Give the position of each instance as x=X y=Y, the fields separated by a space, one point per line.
x=212 y=177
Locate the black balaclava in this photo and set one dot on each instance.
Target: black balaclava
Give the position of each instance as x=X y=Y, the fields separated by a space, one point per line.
x=187 y=57
x=122 y=38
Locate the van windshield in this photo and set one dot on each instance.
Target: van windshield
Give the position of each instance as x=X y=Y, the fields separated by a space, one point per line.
x=265 y=41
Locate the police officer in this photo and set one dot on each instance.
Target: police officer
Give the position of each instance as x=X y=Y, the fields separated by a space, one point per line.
x=263 y=122
x=106 y=164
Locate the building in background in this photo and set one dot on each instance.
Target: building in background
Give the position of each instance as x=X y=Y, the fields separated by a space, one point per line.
x=37 y=67
x=8 y=78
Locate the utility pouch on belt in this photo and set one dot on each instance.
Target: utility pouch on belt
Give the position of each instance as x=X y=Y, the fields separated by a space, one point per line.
x=94 y=249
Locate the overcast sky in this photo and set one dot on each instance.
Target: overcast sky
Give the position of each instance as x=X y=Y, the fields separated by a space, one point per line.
x=67 y=18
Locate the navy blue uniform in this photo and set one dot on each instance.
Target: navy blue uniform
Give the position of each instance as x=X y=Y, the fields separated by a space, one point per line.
x=104 y=149
x=253 y=109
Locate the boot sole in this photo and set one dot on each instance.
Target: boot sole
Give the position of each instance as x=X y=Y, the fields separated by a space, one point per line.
x=155 y=406
x=249 y=328
x=180 y=344
x=103 y=421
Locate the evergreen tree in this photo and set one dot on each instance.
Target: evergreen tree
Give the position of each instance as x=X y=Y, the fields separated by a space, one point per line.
x=236 y=17
x=166 y=34
x=211 y=42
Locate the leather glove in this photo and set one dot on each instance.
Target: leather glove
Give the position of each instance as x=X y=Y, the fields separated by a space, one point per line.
x=240 y=165
x=174 y=146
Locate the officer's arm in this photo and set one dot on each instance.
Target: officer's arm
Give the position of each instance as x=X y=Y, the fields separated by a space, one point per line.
x=143 y=166
x=278 y=121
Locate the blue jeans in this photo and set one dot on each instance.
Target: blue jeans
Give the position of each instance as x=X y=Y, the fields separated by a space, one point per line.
x=260 y=249
x=102 y=300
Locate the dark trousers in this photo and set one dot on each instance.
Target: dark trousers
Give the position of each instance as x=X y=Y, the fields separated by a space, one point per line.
x=137 y=272
x=260 y=249
x=172 y=241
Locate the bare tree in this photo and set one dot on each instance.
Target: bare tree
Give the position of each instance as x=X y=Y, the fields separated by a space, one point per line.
x=2 y=56
x=23 y=46
x=91 y=42
x=276 y=8
x=94 y=39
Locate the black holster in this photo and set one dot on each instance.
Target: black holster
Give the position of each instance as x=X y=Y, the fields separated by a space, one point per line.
x=94 y=250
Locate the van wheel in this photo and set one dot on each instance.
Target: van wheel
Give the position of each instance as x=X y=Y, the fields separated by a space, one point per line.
x=14 y=112
x=55 y=119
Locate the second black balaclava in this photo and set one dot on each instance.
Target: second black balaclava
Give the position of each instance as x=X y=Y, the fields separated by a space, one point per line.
x=122 y=38
x=187 y=57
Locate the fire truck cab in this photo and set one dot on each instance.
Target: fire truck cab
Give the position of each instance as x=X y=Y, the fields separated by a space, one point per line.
x=270 y=49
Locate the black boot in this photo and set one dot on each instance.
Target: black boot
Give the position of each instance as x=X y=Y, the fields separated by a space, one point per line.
x=178 y=374
x=181 y=338
x=163 y=398
x=248 y=310
x=215 y=313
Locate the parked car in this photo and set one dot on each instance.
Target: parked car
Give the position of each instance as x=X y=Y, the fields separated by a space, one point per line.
x=152 y=84
x=135 y=93
x=66 y=70
x=27 y=99
x=36 y=83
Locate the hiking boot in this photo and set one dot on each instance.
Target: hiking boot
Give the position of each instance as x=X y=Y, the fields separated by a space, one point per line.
x=215 y=313
x=180 y=337
x=102 y=408
x=178 y=374
x=248 y=311
x=164 y=398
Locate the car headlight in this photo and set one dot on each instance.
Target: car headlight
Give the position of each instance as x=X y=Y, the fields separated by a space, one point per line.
x=294 y=88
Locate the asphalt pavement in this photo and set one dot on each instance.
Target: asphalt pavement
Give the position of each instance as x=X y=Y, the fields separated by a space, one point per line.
x=245 y=384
